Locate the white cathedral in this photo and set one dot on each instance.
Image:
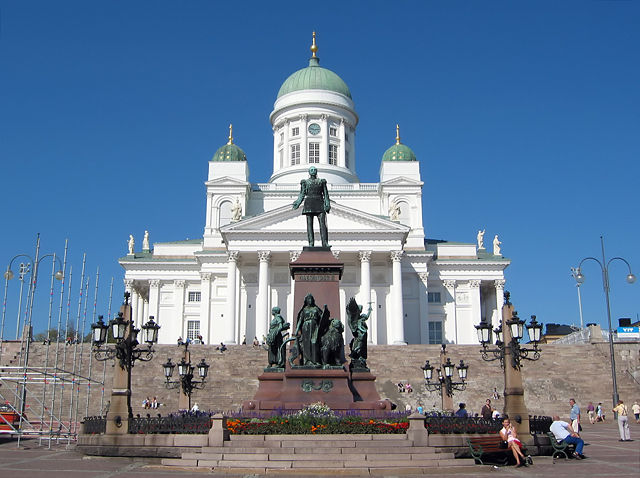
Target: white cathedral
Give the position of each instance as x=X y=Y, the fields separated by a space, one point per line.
x=222 y=287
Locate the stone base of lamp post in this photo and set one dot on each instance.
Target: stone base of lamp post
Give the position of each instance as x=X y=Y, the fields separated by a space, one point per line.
x=514 y=405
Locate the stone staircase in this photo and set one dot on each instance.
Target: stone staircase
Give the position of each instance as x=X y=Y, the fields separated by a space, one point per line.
x=339 y=453
x=563 y=371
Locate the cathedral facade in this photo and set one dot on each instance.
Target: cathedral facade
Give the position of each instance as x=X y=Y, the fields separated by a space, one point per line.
x=222 y=286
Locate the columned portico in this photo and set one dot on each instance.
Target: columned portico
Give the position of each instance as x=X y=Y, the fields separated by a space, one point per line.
x=262 y=302
x=154 y=300
x=229 y=324
x=468 y=334
x=365 y=289
x=424 y=307
x=396 y=317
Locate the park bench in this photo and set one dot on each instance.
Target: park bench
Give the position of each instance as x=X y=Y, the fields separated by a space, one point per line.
x=489 y=448
x=560 y=448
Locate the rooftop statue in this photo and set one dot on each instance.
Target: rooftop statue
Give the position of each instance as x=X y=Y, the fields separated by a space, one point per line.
x=131 y=244
x=316 y=204
x=496 y=246
x=481 y=239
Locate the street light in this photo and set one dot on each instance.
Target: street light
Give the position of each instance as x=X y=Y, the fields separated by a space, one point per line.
x=126 y=350
x=516 y=331
x=186 y=375
x=445 y=383
x=604 y=267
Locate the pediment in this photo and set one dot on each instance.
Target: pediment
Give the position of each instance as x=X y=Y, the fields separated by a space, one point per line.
x=341 y=219
x=226 y=181
x=402 y=181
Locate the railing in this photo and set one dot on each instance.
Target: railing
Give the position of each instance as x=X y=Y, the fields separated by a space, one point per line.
x=178 y=424
x=539 y=425
x=94 y=425
x=447 y=424
x=578 y=337
x=295 y=188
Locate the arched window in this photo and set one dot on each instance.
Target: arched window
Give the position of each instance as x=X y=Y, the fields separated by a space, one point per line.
x=225 y=214
x=405 y=213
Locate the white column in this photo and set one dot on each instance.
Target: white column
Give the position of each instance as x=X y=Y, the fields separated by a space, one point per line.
x=262 y=302
x=276 y=147
x=178 y=311
x=206 y=321
x=468 y=334
x=229 y=324
x=396 y=317
x=287 y=145
x=154 y=299
x=139 y=310
x=133 y=299
x=365 y=291
x=304 y=146
x=451 y=320
x=324 y=146
x=496 y=319
x=424 y=307
x=343 y=144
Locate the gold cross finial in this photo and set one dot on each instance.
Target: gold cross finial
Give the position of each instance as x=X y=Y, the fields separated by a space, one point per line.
x=314 y=47
x=230 y=134
x=397 y=134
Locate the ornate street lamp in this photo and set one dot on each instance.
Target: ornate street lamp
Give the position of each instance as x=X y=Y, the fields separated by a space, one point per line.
x=516 y=331
x=186 y=380
x=126 y=349
x=445 y=383
x=580 y=278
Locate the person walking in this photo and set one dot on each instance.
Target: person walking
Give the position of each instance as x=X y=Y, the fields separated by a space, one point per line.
x=636 y=411
x=487 y=410
x=623 y=421
x=591 y=411
x=574 y=415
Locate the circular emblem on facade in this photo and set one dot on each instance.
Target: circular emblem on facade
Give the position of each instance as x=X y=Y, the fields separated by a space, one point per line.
x=314 y=128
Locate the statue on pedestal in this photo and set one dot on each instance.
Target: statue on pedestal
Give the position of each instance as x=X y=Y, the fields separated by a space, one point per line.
x=275 y=338
x=236 y=211
x=359 y=330
x=481 y=239
x=333 y=345
x=312 y=322
x=145 y=242
x=316 y=204
x=496 y=246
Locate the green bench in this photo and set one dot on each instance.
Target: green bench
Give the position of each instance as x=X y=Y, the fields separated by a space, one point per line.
x=489 y=448
x=560 y=448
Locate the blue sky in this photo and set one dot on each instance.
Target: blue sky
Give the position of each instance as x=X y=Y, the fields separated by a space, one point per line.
x=525 y=117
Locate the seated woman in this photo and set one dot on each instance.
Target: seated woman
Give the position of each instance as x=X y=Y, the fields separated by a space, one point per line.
x=509 y=434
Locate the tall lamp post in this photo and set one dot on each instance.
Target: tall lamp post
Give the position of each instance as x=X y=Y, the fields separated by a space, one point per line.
x=33 y=266
x=604 y=267
x=186 y=381
x=510 y=353
x=125 y=352
x=444 y=383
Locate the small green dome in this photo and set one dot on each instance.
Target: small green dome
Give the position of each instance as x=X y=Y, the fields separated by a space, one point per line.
x=399 y=151
x=229 y=152
x=314 y=77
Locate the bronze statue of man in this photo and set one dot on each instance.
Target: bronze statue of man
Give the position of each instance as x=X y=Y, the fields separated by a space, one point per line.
x=316 y=203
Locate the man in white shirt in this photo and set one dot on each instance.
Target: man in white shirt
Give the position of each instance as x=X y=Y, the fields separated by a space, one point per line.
x=564 y=432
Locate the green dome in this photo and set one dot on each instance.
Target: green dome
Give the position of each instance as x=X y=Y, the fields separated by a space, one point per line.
x=229 y=152
x=314 y=77
x=399 y=152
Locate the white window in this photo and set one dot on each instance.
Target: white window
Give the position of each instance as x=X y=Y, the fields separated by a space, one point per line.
x=281 y=155
x=333 y=154
x=194 y=296
x=333 y=132
x=433 y=297
x=435 y=332
x=314 y=152
x=346 y=159
x=295 y=154
x=295 y=131
x=281 y=138
x=225 y=214
x=193 y=329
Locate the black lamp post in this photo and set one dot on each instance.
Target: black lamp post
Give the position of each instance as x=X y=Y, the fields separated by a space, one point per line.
x=516 y=331
x=604 y=266
x=126 y=349
x=186 y=373
x=444 y=382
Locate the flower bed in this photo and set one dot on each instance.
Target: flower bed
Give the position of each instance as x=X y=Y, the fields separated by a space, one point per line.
x=316 y=418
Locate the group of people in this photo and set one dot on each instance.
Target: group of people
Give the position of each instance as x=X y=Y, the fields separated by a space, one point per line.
x=148 y=403
x=488 y=412
x=405 y=387
x=596 y=414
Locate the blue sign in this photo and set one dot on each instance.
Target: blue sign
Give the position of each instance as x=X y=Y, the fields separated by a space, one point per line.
x=629 y=332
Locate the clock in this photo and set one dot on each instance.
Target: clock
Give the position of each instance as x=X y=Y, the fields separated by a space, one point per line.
x=314 y=128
